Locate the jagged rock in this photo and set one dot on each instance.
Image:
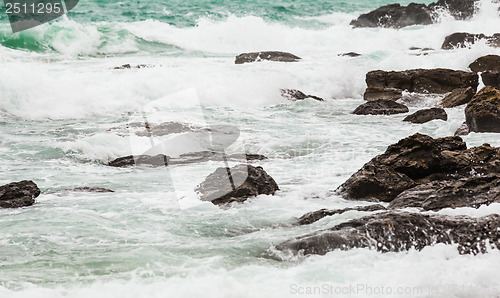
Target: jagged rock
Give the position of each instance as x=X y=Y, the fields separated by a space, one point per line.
x=427 y=115
x=486 y=63
x=459 y=9
x=184 y=159
x=401 y=231
x=458 y=97
x=312 y=217
x=463 y=130
x=18 y=194
x=395 y=16
x=350 y=54
x=381 y=107
x=491 y=78
x=376 y=93
x=269 y=56
x=463 y=40
x=423 y=80
x=483 y=111
x=472 y=191
x=420 y=160
x=236 y=184
x=294 y=95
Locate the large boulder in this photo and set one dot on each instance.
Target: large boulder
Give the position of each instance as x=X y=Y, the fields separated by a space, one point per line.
x=18 y=194
x=458 y=97
x=237 y=184
x=491 y=78
x=464 y=39
x=423 y=80
x=486 y=63
x=459 y=9
x=381 y=107
x=427 y=115
x=401 y=231
x=395 y=16
x=483 y=112
x=269 y=56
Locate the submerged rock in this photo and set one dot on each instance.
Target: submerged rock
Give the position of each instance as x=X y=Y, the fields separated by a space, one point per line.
x=91 y=189
x=128 y=66
x=376 y=93
x=18 y=194
x=427 y=115
x=458 y=97
x=294 y=95
x=381 y=107
x=312 y=217
x=236 y=184
x=140 y=160
x=483 y=111
x=423 y=80
x=486 y=63
x=463 y=40
x=269 y=56
x=350 y=54
x=401 y=231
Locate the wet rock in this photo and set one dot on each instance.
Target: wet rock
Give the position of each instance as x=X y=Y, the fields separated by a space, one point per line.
x=294 y=95
x=18 y=194
x=459 y=9
x=463 y=40
x=236 y=184
x=482 y=114
x=376 y=93
x=401 y=231
x=491 y=78
x=473 y=191
x=312 y=217
x=486 y=63
x=159 y=160
x=152 y=129
x=402 y=167
x=269 y=56
x=427 y=115
x=128 y=66
x=423 y=80
x=92 y=189
x=458 y=97
x=350 y=54
x=463 y=130
x=395 y=16
x=381 y=107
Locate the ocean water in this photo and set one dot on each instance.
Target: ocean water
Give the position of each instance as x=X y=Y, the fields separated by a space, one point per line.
x=63 y=113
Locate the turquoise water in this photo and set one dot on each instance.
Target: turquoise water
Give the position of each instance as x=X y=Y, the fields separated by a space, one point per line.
x=64 y=112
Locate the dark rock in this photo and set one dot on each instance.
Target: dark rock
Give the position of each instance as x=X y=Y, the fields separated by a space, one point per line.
x=427 y=115
x=473 y=191
x=18 y=194
x=463 y=40
x=458 y=97
x=312 y=217
x=459 y=9
x=402 y=167
x=463 y=130
x=294 y=95
x=423 y=80
x=151 y=129
x=128 y=66
x=140 y=160
x=381 y=107
x=91 y=189
x=395 y=16
x=237 y=184
x=491 y=78
x=482 y=114
x=486 y=63
x=269 y=56
x=402 y=231
x=350 y=54
x=376 y=93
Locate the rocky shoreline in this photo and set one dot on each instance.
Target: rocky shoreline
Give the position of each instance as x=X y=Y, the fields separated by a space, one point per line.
x=419 y=172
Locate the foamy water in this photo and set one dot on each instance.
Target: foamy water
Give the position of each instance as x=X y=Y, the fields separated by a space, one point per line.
x=152 y=237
